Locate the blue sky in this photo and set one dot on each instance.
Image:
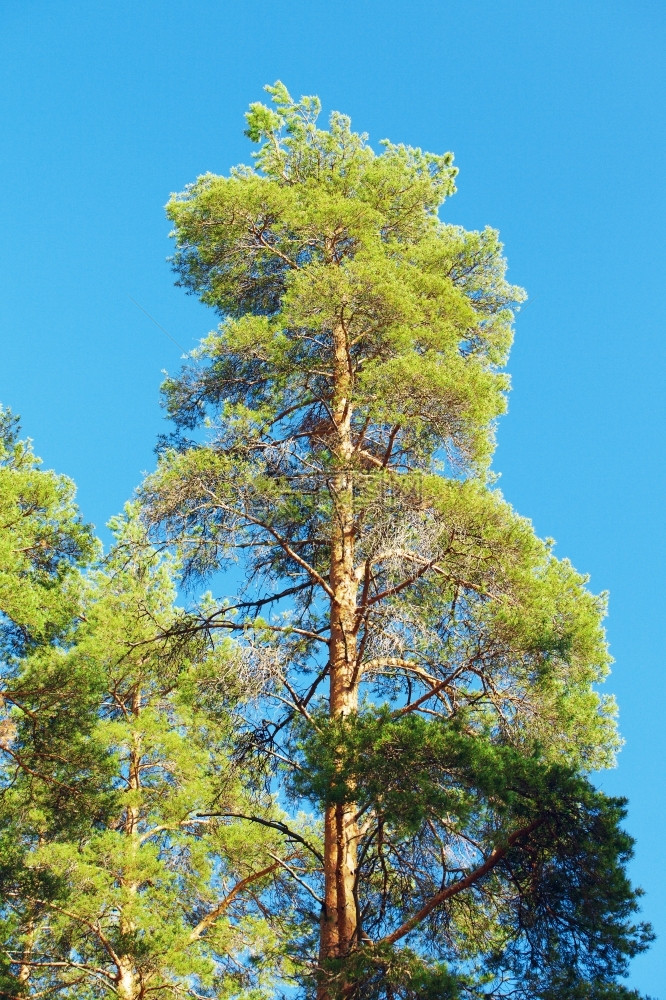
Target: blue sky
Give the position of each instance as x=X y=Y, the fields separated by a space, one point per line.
x=555 y=114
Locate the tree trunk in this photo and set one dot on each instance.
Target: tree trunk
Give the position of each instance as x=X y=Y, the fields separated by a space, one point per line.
x=128 y=984
x=128 y=981
x=339 y=923
x=25 y=968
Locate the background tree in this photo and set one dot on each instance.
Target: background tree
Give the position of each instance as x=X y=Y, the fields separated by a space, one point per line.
x=42 y=545
x=45 y=758
x=435 y=691
x=140 y=894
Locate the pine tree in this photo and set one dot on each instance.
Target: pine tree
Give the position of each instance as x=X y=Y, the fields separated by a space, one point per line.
x=433 y=691
x=45 y=758
x=143 y=891
x=42 y=544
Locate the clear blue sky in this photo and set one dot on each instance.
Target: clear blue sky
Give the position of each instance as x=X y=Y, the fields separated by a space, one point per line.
x=555 y=113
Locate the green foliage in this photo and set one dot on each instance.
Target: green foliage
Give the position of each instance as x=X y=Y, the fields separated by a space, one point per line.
x=576 y=904
x=400 y=974
x=45 y=697
x=132 y=885
x=408 y=667
x=349 y=398
x=569 y=914
x=409 y=768
x=42 y=542
x=329 y=228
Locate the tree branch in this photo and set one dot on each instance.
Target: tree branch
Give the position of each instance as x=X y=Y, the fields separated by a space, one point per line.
x=273 y=824
x=493 y=859
x=211 y=917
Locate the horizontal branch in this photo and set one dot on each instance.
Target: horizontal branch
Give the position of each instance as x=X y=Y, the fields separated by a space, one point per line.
x=273 y=824
x=401 y=664
x=164 y=827
x=67 y=964
x=439 y=686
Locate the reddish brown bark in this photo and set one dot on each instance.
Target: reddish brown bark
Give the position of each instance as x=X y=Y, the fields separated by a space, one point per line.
x=339 y=924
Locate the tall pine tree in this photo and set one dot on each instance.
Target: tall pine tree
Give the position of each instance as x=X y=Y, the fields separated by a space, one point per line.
x=433 y=691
